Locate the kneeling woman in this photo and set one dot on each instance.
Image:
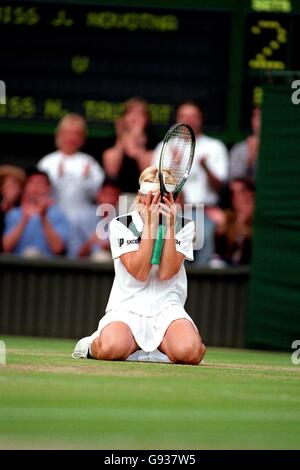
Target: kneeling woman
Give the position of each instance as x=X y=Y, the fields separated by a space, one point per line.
x=145 y=310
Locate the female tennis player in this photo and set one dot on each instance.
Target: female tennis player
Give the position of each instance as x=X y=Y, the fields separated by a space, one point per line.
x=145 y=310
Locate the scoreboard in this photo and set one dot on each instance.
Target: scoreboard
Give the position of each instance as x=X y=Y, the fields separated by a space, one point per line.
x=90 y=56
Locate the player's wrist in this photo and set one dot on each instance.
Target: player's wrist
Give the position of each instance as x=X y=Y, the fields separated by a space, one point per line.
x=170 y=221
x=150 y=231
x=170 y=231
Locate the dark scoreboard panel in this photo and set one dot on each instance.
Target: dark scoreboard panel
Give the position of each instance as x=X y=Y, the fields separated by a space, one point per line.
x=90 y=56
x=89 y=59
x=272 y=44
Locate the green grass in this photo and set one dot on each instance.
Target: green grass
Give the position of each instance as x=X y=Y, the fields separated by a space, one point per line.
x=237 y=400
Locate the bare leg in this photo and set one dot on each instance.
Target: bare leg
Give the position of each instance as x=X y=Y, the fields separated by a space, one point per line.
x=182 y=343
x=115 y=343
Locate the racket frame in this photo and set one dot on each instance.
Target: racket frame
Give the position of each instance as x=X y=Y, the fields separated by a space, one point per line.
x=163 y=190
x=179 y=187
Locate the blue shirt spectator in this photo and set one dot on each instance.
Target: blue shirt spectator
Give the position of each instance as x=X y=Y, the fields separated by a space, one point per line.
x=33 y=237
x=37 y=227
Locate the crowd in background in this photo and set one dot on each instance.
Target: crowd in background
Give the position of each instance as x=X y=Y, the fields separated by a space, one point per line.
x=51 y=209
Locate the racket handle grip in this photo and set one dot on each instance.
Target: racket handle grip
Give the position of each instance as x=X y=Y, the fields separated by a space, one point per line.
x=158 y=246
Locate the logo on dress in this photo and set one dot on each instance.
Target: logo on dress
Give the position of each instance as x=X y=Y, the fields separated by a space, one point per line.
x=121 y=241
x=132 y=242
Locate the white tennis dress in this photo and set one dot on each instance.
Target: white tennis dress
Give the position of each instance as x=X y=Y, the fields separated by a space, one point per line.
x=149 y=307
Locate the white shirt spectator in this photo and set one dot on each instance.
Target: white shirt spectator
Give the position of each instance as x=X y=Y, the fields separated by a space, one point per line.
x=197 y=188
x=75 y=179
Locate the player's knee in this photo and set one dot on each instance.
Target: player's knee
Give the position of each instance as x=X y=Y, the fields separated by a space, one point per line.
x=198 y=353
x=110 y=350
x=190 y=353
x=202 y=351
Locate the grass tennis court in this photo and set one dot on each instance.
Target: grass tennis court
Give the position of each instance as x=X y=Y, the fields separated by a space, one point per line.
x=238 y=399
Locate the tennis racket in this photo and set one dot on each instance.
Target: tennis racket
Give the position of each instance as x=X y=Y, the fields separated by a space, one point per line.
x=176 y=157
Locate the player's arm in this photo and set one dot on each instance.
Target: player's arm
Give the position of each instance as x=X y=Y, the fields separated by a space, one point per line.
x=138 y=263
x=171 y=259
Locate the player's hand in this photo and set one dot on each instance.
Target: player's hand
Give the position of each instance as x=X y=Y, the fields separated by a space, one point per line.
x=150 y=211
x=168 y=209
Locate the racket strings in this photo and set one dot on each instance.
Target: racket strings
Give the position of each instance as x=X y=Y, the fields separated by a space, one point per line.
x=178 y=153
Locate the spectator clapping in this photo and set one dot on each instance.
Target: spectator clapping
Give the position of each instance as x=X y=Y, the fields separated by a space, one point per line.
x=37 y=227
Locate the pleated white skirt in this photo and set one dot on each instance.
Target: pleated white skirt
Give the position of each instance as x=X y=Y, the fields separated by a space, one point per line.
x=148 y=332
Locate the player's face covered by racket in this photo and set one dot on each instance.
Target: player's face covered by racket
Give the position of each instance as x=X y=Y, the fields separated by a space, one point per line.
x=176 y=159
x=149 y=207
x=167 y=209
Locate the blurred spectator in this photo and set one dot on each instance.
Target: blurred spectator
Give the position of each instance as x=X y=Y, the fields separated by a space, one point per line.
x=86 y=242
x=132 y=151
x=208 y=174
x=12 y=181
x=234 y=226
x=243 y=156
x=37 y=227
x=75 y=176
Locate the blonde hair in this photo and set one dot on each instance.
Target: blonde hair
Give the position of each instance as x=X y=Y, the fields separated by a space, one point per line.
x=150 y=175
x=71 y=118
